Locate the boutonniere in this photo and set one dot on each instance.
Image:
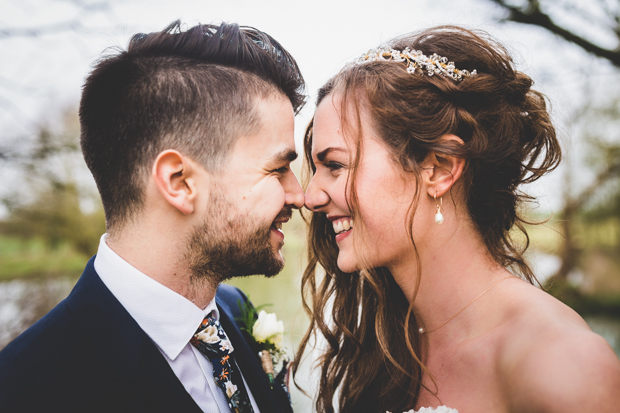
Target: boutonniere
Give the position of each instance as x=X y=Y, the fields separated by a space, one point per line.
x=268 y=333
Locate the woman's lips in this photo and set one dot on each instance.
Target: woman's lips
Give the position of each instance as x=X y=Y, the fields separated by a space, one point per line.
x=342 y=227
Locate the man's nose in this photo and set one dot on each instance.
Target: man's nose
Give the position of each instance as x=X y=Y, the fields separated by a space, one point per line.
x=294 y=194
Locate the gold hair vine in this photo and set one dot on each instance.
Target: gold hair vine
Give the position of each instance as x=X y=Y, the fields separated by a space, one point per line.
x=416 y=60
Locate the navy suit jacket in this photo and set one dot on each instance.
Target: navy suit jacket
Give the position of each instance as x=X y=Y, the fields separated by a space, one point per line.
x=89 y=355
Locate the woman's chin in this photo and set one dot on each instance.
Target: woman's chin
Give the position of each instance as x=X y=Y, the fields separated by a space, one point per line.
x=346 y=264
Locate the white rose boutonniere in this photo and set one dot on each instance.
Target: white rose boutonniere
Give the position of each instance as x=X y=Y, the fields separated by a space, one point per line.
x=268 y=329
x=268 y=333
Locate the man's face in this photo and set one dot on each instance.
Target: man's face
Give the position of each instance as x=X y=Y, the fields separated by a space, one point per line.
x=249 y=201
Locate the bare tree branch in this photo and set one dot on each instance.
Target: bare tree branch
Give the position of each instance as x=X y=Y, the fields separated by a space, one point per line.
x=531 y=14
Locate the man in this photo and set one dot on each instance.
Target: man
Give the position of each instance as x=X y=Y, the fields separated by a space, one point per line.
x=189 y=136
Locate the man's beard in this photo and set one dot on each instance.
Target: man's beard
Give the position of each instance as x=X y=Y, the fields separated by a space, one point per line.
x=222 y=248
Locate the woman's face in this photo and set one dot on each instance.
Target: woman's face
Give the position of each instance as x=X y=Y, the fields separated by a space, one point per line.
x=384 y=192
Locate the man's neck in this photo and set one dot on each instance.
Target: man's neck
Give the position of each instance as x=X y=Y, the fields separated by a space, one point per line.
x=160 y=260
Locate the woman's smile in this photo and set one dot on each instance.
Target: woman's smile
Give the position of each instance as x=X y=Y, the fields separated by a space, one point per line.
x=343 y=226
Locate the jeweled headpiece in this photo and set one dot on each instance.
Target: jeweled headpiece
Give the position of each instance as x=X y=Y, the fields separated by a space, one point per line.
x=416 y=60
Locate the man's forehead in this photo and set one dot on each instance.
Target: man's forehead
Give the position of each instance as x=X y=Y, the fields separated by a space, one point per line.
x=254 y=149
x=274 y=139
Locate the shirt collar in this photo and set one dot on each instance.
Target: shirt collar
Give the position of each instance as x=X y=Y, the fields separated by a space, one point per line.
x=169 y=319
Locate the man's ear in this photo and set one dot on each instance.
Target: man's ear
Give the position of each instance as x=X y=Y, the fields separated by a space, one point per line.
x=441 y=171
x=175 y=179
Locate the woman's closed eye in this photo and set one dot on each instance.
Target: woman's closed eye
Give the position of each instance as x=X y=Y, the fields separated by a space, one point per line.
x=333 y=166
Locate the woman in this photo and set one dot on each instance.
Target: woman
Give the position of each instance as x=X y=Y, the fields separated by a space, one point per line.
x=415 y=191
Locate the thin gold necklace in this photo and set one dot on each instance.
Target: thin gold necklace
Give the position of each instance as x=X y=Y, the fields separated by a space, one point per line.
x=421 y=329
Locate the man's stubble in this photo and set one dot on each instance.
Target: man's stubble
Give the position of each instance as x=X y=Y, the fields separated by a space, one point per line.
x=230 y=243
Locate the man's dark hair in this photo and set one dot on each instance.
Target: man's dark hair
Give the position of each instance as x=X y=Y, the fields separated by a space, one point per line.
x=194 y=91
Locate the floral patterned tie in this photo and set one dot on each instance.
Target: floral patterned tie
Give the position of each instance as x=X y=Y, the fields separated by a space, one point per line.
x=212 y=342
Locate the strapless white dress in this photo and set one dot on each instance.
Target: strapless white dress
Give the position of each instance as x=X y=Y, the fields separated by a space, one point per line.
x=440 y=409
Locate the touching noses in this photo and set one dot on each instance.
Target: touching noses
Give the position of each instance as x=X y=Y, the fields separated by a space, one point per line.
x=294 y=194
x=315 y=197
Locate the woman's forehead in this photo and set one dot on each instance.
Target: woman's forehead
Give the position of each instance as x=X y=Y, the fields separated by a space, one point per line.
x=327 y=127
x=332 y=129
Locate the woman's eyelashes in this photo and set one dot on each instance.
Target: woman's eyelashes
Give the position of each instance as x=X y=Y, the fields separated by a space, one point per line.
x=334 y=166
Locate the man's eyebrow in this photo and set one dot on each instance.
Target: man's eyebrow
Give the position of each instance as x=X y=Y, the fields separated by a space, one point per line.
x=286 y=155
x=321 y=155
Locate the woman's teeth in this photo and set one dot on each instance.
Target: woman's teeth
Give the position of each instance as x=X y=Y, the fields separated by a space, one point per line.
x=342 y=225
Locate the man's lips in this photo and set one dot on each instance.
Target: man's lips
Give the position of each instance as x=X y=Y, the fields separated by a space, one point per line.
x=277 y=225
x=282 y=218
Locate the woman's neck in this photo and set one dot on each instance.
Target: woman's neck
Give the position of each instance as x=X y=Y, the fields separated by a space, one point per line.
x=455 y=269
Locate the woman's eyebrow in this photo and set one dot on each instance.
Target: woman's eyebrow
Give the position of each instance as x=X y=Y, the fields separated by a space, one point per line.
x=321 y=155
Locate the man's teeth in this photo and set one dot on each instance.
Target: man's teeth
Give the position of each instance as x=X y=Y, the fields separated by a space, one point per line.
x=342 y=225
x=277 y=225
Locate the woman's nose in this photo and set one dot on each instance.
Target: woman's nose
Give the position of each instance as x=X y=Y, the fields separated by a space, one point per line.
x=315 y=198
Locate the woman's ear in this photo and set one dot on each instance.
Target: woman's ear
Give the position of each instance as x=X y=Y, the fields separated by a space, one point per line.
x=175 y=179
x=441 y=171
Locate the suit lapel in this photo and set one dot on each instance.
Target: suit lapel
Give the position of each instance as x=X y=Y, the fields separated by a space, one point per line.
x=128 y=356
x=157 y=380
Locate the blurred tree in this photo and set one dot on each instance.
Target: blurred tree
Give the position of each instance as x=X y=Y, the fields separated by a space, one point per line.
x=599 y=127
x=56 y=200
x=594 y=26
x=61 y=23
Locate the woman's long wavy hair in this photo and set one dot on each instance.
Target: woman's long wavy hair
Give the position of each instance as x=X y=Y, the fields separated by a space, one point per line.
x=372 y=360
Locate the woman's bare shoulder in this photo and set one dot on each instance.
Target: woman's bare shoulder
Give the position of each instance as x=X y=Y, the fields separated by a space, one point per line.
x=550 y=360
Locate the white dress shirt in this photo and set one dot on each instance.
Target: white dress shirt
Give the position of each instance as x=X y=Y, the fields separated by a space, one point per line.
x=170 y=320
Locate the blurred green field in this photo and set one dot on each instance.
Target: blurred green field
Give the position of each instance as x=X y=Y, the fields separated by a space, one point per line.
x=548 y=237
x=33 y=258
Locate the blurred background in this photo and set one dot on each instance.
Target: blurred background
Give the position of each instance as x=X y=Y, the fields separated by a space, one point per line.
x=51 y=218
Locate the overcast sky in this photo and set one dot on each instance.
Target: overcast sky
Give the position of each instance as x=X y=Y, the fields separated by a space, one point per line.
x=41 y=75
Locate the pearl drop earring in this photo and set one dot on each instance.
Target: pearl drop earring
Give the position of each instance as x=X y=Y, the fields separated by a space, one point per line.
x=438 y=213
